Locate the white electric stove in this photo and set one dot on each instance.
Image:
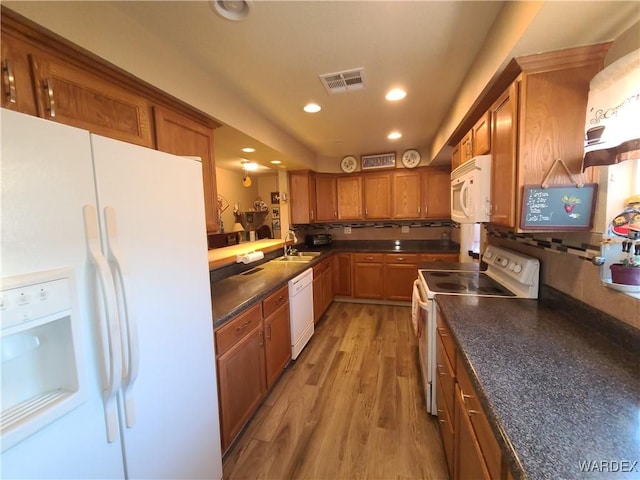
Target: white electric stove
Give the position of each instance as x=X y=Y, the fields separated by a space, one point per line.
x=509 y=274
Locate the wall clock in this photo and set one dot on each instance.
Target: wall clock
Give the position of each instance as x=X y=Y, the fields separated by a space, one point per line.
x=411 y=158
x=348 y=164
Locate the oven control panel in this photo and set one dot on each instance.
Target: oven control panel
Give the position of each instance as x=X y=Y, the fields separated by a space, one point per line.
x=512 y=264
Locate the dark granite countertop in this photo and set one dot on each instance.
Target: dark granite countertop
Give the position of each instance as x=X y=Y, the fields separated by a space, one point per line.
x=557 y=393
x=237 y=292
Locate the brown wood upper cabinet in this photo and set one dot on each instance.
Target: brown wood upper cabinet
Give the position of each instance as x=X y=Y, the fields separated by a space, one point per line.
x=477 y=141
x=466 y=147
x=180 y=135
x=50 y=77
x=326 y=197
x=377 y=195
x=537 y=120
x=302 y=197
x=436 y=193
x=482 y=135
x=17 y=84
x=406 y=194
x=73 y=96
x=349 y=188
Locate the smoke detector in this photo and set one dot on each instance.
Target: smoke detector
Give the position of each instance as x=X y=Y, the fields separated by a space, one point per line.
x=346 y=81
x=235 y=10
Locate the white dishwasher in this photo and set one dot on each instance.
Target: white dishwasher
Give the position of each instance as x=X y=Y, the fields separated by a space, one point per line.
x=301 y=311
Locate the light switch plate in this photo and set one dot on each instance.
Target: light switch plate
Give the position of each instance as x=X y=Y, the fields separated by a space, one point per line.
x=347 y=230
x=405 y=228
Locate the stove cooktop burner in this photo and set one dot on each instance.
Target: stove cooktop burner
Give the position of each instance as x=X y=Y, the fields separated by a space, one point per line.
x=464 y=283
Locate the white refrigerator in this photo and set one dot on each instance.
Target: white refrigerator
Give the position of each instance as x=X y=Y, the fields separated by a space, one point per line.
x=105 y=309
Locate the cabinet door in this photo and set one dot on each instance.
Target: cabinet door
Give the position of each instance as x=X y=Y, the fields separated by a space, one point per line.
x=406 y=194
x=377 y=196
x=436 y=193
x=180 y=135
x=318 y=296
x=302 y=197
x=73 y=96
x=482 y=135
x=326 y=198
x=349 y=197
x=278 y=342
x=400 y=271
x=469 y=462
x=503 y=154
x=447 y=432
x=456 y=157
x=327 y=285
x=368 y=279
x=341 y=272
x=241 y=383
x=466 y=147
x=17 y=83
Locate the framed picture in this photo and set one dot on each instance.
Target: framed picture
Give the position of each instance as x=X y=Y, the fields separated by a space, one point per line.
x=380 y=160
x=275 y=198
x=275 y=224
x=275 y=213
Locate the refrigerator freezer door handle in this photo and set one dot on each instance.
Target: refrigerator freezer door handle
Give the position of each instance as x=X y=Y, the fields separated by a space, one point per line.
x=126 y=304
x=112 y=357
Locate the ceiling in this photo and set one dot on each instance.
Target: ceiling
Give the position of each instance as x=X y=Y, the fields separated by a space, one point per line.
x=268 y=65
x=273 y=59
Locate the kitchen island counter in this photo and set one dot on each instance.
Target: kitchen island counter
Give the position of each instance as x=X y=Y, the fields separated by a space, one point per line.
x=562 y=398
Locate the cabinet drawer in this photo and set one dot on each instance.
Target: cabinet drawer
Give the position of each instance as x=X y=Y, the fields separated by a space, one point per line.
x=486 y=439
x=447 y=429
x=438 y=257
x=230 y=333
x=368 y=257
x=273 y=301
x=447 y=340
x=446 y=377
x=400 y=258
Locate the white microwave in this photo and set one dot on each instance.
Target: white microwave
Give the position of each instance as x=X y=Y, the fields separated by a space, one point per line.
x=471 y=191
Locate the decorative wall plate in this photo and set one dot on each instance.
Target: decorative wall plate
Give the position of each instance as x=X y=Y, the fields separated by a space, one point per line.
x=411 y=158
x=348 y=164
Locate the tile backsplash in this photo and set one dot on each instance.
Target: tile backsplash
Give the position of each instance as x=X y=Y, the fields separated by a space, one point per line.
x=566 y=266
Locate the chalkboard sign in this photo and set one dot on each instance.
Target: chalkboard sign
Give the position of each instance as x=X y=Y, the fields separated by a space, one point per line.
x=558 y=207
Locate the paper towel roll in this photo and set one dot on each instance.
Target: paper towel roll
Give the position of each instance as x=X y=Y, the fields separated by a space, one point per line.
x=249 y=257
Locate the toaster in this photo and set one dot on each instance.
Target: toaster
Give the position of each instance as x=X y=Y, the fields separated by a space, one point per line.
x=318 y=240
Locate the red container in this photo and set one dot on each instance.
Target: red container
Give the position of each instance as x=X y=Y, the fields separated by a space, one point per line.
x=624 y=275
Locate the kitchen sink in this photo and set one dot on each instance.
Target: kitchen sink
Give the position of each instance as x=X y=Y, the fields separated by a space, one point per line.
x=300 y=257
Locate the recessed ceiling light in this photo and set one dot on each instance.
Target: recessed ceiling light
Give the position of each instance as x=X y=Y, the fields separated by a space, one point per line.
x=395 y=94
x=249 y=166
x=312 y=108
x=276 y=162
x=248 y=149
x=235 y=10
x=394 y=135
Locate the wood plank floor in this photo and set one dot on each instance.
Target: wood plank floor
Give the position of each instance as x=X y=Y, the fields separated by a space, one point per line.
x=350 y=407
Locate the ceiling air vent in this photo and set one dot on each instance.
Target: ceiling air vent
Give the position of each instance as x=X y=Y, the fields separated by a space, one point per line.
x=346 y=81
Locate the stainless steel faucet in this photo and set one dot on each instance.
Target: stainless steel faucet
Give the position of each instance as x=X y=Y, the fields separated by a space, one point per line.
x=289 y=251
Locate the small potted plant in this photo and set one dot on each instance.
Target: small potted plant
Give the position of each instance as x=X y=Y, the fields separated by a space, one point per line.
x=627 y=272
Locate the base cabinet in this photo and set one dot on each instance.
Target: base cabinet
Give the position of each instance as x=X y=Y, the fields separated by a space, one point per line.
x=471 y=449
x=242 y=380
x=252 y=351
x=400 y=271
x=341 y=273
x=322 y=288
x=368 y=279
